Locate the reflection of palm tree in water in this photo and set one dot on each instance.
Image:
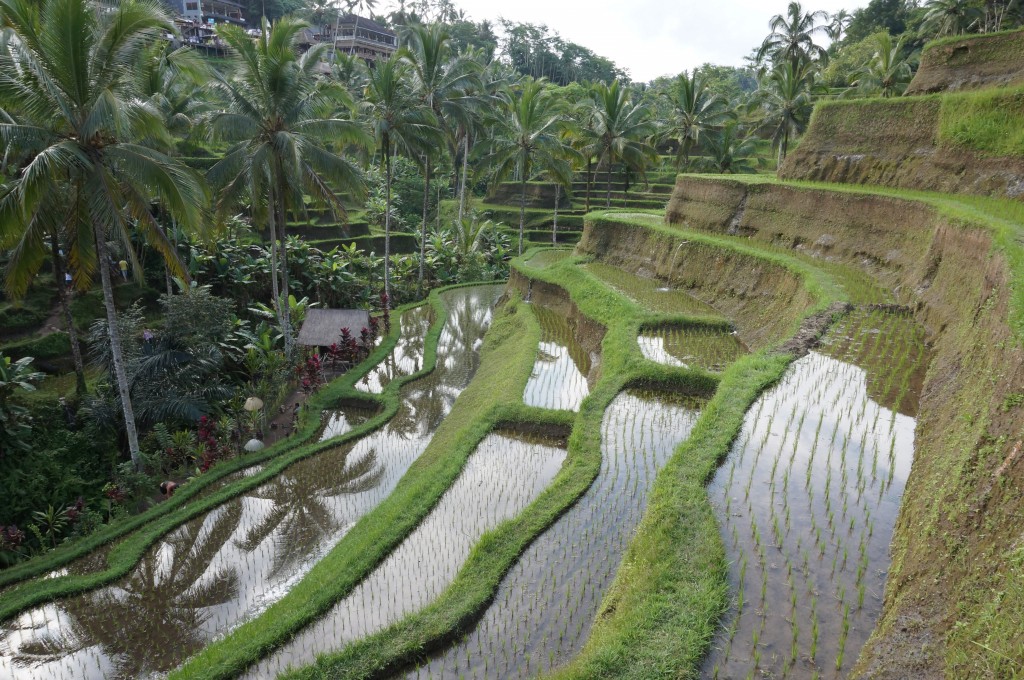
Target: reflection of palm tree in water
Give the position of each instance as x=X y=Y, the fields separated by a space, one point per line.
x=300 y=517
x=407 y=357
x=426 y=402
x=161 y=606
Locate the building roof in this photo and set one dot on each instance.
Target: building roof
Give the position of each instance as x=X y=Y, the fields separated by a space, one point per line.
x=370 y=24
x=322 y=327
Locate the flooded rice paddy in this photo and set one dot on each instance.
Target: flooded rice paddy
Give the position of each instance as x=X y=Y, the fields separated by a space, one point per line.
x=501 y=478
x=544 y=608
x=407 y=356
x=564 y=370
x=710 y=349
x=807 y=502
x=215 y=572
x=338 y=421
x=651 y=293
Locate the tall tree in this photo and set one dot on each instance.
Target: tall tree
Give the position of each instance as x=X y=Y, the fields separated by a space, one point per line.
x=695 y=111
x=443 y=81
x=950 y=17
x=71 y=78
x=623 y=129
x=526 y=139
x=400 y=122
x=283 y=121
x=792 y=37
x=888 y=72
x=787 y=96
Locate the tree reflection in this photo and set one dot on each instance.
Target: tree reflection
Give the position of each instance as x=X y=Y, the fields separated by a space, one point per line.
x=300 y=518
x=143 y=623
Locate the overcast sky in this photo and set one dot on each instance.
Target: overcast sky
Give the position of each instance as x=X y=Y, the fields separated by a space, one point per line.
x=651 y=38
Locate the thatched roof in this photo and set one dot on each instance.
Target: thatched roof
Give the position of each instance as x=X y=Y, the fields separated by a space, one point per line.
x=369 y=24
x=322 y=327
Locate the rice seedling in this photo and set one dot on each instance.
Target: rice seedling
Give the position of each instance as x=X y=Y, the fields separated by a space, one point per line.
x=205 y=578
x=500 y=479
x=692 y=346
x=549 y=599
x=560 y=375
x=832 y=419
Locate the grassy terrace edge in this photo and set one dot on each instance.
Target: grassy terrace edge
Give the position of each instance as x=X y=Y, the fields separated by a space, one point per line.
x=151 y=525
x=675 y=506
x=515 y=337
x=1000 y=217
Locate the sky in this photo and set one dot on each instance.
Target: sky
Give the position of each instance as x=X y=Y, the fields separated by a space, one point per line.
x=652 y=38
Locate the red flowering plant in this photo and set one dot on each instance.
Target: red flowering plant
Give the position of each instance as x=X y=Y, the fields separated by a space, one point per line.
x=312 y=373
x=211 y=448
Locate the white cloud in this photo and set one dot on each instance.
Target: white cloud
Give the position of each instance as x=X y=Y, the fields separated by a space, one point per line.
x=654 y=37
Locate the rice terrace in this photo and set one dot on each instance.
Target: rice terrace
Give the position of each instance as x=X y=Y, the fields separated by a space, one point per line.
x=412 y=340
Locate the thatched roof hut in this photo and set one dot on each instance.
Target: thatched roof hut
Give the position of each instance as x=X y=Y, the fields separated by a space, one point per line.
x=322 y=327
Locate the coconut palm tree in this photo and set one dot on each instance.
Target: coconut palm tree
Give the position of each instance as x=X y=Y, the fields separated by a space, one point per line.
x=399 y=122
x=950 y=17
x=792 y=37
x=837 y=25
x=70 y=79
x=695 y=111
x=788 y=98
x=623 y=130
x=527 y=139
x=887 y=73
x=283 y=122
x=443 y=82
x=730 y=151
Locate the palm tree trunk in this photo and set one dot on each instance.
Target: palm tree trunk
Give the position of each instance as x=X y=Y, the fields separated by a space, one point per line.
x=465 y=167
x=116 y=353
x=286 y=310
x=387 y=217
x=423 y=232
x=782 y=149
x=554 y=225
x=522 y=213
x=63 y=294
x=608 y=194
x=590 y=179
x=272 y=224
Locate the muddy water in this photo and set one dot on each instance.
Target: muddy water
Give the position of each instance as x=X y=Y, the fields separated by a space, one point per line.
x=691 y=347
x=501 y=478
x=651 y=293
x=215 y=572
x=564 y=369
x=545 y=606
x=807 y=502
x=548 y=257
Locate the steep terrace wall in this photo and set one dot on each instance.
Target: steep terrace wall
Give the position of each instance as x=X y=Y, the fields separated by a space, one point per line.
x=971 y=63
x=955 y=596
x=960 y=143
x=763 y=298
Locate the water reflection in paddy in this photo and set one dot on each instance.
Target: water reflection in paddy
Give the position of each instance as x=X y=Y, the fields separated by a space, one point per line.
x=544 y=608
x=218 y=570
x=807 y=503
x=501 y=478
x=563 y=370
x=696 y=347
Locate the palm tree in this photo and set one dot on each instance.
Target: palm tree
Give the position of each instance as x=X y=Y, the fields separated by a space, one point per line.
x=730 y=151
x=70 y=77
x=282 y=120
x=837 y=25
x=442 y=81
x=787 y=96
x=950 y=17
x=792 y=37
x=695 y=111
x=622 y=129
x=887 y=72
x=527 y=138
x=399 y=122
